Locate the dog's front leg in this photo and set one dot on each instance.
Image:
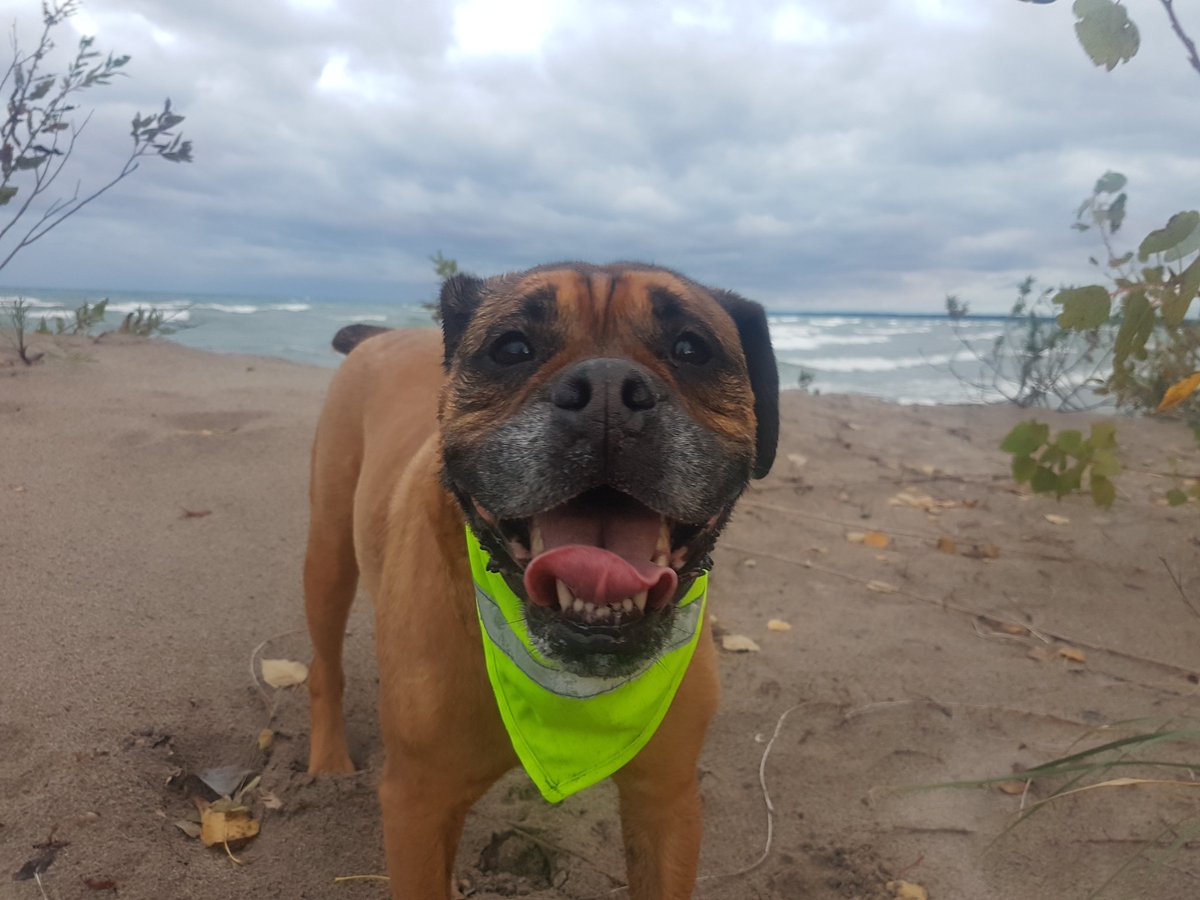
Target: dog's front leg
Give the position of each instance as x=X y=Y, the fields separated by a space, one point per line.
x=423 y=815
x=661 y=826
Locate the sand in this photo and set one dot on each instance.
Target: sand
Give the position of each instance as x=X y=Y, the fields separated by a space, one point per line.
x=152 y=517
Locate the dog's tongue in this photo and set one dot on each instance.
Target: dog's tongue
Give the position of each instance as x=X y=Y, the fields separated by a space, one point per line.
x=601 y=552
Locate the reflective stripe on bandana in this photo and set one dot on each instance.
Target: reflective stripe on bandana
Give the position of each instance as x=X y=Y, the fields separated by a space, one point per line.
x=571 y=731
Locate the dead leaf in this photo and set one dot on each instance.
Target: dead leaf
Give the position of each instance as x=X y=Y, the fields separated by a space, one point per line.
x=1179 y=392
x=799 y=460
x=196 y=513
x=778 y=625
x=1072 y=655
x=270 y=800
x=1013 y=628
x=982 y=551
x=265 y=737
x=739 y=643
x=38 y=864
x=881 y=587
x=749 y=563
x=188 y=827
x=18 y=488
x=1012 y=788
x=100 y=884
x=281 y=673
x=856 y=537
x=906 y=890
x=876 y=539
x=1055 y=519
x=230 y=827
x=913 y=500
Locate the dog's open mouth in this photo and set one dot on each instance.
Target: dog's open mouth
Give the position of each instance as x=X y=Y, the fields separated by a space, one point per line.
x=602 y=558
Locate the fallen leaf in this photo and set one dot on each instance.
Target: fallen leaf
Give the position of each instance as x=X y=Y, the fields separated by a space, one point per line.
x=1055 y=519
x=1072 y=655
x=18 y=488
x=856 y=537
x=188 y=827
x=196 y=513
x=227 y=826
x=1013 y=628
x=281 y=673
x=876 y=539
x=778 y=625
x=914 y=500
x=1012 y=788
x=749 y=563
x=947 y=545
x=739 y=643
x=982 y=551
x=38 y=864
x=881 y=587
x=100 y=884
x=798 y=460
x=265 y=737
x=906 y=890
x=270 y=800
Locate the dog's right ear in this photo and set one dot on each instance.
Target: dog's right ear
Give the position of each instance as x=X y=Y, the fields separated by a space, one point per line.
x=456 y=305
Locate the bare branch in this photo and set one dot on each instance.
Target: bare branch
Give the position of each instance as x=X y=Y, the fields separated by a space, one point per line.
x=1188 y=44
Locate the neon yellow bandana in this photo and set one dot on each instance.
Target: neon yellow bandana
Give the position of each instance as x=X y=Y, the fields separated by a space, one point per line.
x=571 y=731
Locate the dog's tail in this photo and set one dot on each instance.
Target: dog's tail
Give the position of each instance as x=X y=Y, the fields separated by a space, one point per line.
x=352 y=335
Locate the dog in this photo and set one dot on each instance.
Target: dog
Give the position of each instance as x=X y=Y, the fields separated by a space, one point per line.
x=574 y=440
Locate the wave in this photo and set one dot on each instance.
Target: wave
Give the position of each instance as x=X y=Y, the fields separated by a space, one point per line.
x=849 y=364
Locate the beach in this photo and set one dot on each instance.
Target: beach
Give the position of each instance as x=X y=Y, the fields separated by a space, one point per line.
x=152 y=523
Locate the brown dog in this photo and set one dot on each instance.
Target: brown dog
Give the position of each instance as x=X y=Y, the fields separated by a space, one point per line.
x=622 y=406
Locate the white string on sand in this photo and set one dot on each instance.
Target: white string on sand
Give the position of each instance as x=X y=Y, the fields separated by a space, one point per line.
x=762 y=783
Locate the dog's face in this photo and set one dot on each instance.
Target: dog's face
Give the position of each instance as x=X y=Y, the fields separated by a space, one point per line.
x=598 y=424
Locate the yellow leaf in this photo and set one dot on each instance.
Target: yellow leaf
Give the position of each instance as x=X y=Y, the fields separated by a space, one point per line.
x=1013 y=628
x=856 y=537
x=906 y=890
x=881 y=587
x=1179 y=392
x=947 y=545
x=281 y=673
x=1072 y=655
x=739 y=643
x=778 y=625
x=265 y=737
x=226 y=827
x=1014 y=788
x=1055 y=519
x=876 y=539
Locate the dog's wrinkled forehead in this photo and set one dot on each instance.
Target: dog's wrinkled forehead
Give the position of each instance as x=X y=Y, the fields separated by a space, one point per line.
x=605 y=310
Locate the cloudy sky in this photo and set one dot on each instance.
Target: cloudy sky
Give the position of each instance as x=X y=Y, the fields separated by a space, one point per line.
x=816 y=154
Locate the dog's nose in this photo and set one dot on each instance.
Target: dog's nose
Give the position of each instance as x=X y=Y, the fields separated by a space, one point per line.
x=614 y=388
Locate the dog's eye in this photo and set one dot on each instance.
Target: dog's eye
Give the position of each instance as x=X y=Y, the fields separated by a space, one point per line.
x=511 y=348
x=690 y=348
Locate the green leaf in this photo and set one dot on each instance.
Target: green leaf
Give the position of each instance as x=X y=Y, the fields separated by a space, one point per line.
x=1023 y=468
x=1079 y=226
x=1105 y=32
x=1120 y=260
x=1176 y=300
x=1070 y=441
x=1069 y=481
x=1025 y=438
x=1104 y=492
x=1177 y=230
x=1137 y=324
x=1084 y=308
x=1109 y=182
x=1176 y=497
x=1116 y=213
x=42 y=88
x=1186 y=247
x=30 y=162
x=1103 y=436
x=6 y=194
x=1105 y=464
x=1044 y=480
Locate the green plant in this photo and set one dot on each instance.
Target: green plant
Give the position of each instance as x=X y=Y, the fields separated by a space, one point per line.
x=1033 y=362
x=804 y=381
x=17 y=313
x=85 y=317
x=146 y=323
x=1059 y=464
x=39 y=135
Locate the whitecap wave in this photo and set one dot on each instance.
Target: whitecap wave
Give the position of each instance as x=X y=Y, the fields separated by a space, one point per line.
x=849 y=364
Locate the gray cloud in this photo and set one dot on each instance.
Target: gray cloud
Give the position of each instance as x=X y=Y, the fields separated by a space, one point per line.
x=833 y=155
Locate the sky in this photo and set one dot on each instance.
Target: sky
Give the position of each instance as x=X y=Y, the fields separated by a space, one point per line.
x=868 y=155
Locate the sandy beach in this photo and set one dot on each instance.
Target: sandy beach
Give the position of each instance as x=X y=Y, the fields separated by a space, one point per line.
x=152 y=522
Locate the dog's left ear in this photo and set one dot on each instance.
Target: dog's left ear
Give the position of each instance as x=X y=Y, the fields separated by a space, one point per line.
x=456 y=305
x=751 y=321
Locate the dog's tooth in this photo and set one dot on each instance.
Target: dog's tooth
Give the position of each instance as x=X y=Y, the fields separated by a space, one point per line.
x=536 y=542
x=589 y=611
x=627 y=605
x=564 y=595
x=639 y=600
x=578 y=607
x=603 y=612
